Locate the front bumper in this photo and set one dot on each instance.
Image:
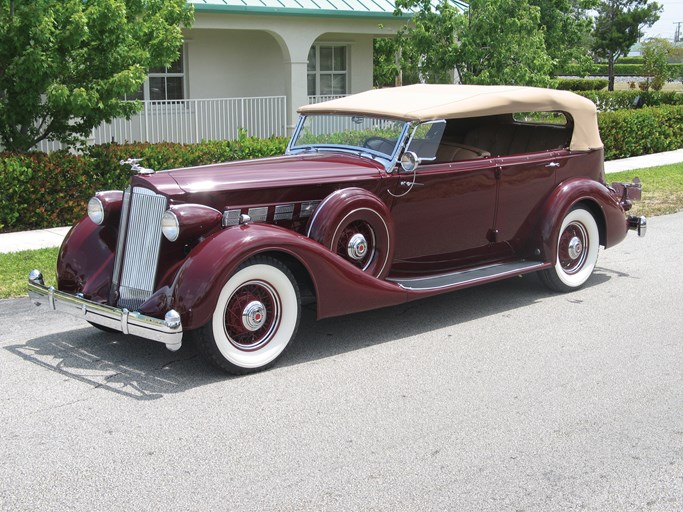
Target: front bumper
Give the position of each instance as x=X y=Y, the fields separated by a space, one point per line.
x=168 y=331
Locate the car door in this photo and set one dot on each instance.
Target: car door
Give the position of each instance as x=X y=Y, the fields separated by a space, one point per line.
x=443 y=213
x=525 y=183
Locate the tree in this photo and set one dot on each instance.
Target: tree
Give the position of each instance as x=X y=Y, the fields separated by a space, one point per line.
x=656 y=54
x=65 y=65
x=428 y=44
x=494 y=41
x=503 y=43
x=567 y=25
x=618 y=27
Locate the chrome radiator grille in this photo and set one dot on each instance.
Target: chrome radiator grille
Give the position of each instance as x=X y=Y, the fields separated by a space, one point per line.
x=137 y=252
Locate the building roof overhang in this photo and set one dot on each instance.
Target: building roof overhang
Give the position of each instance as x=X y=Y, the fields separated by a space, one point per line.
x=334 y=8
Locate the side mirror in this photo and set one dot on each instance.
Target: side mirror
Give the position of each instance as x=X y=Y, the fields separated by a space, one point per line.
x=409 y=161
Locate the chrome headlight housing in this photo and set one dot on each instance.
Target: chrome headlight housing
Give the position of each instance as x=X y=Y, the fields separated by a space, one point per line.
x=170 y=226
x=96 y=210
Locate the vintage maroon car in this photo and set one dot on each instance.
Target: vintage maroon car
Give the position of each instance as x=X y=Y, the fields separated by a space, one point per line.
x=382 y=197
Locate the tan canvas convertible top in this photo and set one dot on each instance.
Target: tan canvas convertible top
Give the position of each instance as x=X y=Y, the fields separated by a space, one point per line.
x=426 y=102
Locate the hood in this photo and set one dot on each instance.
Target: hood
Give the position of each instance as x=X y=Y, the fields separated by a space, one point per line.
x=316 y=168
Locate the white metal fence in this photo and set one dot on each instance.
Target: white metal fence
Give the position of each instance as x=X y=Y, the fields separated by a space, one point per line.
x=191 y=121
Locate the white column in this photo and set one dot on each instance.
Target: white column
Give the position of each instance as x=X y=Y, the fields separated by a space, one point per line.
x=296 y=89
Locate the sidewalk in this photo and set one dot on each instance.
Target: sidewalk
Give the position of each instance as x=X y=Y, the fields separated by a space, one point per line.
x=26 y=240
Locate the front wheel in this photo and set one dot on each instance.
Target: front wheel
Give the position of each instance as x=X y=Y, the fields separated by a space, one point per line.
x=255 y=318
x=577 y=252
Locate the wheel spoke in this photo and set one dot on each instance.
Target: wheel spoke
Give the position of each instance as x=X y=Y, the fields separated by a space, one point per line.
x=258 y=300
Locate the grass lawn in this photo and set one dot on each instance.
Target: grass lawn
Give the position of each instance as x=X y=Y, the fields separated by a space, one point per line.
x=662 y=194
x=662 y=189
x=676 y=86
x=15 y=266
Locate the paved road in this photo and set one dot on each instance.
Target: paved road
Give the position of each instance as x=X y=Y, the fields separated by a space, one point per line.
x=503 y=397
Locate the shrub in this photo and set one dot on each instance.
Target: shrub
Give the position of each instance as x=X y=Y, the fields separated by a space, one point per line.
x=630 y=60
x=627 y=133
x=634 y=69
x=607 y=101
x=581 y=84
x=42 y=191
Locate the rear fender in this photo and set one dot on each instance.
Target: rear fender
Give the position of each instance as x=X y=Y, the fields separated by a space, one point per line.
x=593 y=195
x=339 y=286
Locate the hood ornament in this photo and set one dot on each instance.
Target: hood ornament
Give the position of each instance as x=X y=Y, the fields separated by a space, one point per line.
x=135 y=166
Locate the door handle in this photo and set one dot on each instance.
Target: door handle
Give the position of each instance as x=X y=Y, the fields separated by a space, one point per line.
x=553 y=164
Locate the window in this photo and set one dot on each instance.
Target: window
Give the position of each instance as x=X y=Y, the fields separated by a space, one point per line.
x=163 y=83
x=327 y=70
x=554 y=118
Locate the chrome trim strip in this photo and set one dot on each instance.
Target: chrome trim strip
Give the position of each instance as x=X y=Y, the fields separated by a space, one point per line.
x=120 y=243
x=122 y=320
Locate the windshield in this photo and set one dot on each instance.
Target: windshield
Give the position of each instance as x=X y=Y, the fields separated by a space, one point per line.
x=379 y=136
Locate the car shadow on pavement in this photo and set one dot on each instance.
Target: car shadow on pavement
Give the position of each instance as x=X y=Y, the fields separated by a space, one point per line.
x=145 y=370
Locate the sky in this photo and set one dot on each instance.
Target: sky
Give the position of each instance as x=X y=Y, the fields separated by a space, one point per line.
x=672 y=13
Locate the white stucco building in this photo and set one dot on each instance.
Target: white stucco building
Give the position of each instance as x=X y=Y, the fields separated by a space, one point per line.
x=294 y=48
x=249 y=64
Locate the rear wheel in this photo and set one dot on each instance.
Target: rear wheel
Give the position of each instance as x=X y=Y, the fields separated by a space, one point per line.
x=577 y=252
x=255 y=318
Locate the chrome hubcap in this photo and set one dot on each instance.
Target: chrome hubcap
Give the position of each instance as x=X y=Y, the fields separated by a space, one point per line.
x=357 y=247
x=575 y=248
x=254 y=316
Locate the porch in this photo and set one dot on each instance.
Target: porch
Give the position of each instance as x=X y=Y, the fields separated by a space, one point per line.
x=192 y=121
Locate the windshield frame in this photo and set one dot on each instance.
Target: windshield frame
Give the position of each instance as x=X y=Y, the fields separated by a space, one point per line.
x=388 y=161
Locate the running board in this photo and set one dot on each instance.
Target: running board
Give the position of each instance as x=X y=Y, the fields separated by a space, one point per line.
x=472 y=276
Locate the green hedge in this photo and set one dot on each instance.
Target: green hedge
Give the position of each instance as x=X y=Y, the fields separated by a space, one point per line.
x=633 y=69
x=630 y=60
x=628 y=68
x=617 y=100
x=648 y=130
x=581 y=84
x=42 y=191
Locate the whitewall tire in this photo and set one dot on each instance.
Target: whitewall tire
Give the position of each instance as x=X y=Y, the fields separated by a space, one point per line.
x=255 y=318
x=577 y=247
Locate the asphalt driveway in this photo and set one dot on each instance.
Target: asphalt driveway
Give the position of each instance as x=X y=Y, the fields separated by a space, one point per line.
x=502 y=397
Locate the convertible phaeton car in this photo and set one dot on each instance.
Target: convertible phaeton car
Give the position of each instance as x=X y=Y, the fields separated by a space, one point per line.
x=381 y=198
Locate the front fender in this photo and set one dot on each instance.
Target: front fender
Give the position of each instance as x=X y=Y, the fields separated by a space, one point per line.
x=86 y=260
x=340 y=287
x=609 y=215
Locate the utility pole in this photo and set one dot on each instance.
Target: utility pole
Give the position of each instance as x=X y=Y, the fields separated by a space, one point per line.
x=677 y=35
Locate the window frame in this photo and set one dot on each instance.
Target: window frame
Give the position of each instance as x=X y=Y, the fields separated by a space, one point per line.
x=317 y=72
x=145 y=88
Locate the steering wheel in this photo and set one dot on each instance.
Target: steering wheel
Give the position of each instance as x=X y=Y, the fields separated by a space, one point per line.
x=376 y=143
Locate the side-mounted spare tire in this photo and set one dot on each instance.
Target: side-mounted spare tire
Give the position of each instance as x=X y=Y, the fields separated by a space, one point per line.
x=356 y=225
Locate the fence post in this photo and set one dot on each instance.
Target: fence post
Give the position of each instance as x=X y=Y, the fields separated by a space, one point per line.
x=146 y=124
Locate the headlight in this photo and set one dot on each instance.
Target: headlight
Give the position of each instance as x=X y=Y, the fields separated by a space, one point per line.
x=96 y=210
x=170 y=226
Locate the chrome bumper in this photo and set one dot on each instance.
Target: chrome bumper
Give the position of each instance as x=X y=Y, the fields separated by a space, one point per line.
x=638 y=224
x=168 y=331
